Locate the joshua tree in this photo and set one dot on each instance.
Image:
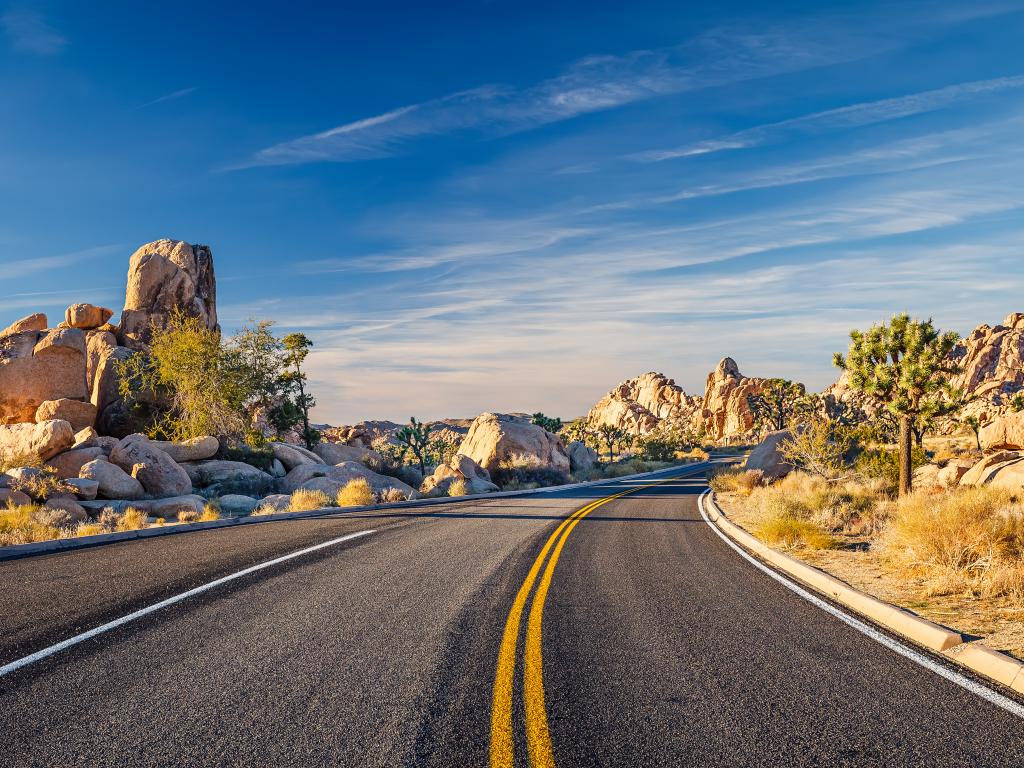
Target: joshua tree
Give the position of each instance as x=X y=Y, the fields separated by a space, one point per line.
x=416 y=436
x=613 y=437
x=545 y=422
x=778 y=402
x=901 y=364
x=975 y=424
x=296 y=349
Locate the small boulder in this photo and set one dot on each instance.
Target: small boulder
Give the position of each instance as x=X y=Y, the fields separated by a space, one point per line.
x=37 y=441
x=954 y=470
x=279 y=501
x=581 y=456
x=335 y=453
x=230 y=476
x=768 y=458
x=927 y=476
x=196 y=449
x=10 y=497
x=277 y=469
x=70 y=463
x=292 y=456
x=85 y=438
x=159 y=474
x=36 y=322
x=114 y=482
x=80 y=414
x=117 y=505
x=76 y=513
x=83 y=488
x=168 y=508
x=86 y=316
x=459 y=467
x=235 y=504
x=343 y=473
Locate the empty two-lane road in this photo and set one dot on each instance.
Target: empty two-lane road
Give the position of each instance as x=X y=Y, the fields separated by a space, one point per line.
x=600 y=626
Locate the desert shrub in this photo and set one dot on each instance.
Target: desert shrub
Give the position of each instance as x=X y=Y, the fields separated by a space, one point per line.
x=356 y=493
x=261 y=457
x=159 y=522
x=735 y=479
x=820 y=447
x=789 y=531
x=210 y=513
x=458 y=487
x=392 y=495
x=884 y=464
x=16 y=460
x=188 y=515
x=132 y=519
x=42 y=484
x=657 y=448
x=265 y=509
x=520 y=471
x=305 y=500
x=22 y=525
x=107 y=519
x=90 y=529
x=965 y=539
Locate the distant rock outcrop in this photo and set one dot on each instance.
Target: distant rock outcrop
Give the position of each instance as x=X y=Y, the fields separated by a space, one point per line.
x=725 y=410
x=641 y=405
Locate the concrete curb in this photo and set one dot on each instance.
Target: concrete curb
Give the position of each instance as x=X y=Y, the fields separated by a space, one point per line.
x=15 y=551
x=992 y=664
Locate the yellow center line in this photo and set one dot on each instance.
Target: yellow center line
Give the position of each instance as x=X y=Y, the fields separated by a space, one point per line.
x=501 y=702
x=538 y=738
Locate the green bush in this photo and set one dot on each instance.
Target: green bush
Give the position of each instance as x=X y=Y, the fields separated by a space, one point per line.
x=885 y=464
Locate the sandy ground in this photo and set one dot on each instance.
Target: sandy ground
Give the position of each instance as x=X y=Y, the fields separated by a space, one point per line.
x=998 y=623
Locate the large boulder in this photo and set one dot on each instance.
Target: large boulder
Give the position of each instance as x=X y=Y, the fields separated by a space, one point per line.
x=76 y=512
x=114 y=482
x=494 y=438
x=195 y=449
x=725 y=409
x=340 y=475
x=234 y=504
x=79 y=413
x=165 y=276
x=336 y=453
x=768 y=458
x=292 y=456
x=36 y=322
x=581 y=456
x=927 y=476
x=115 y=417
x=159 y=474
x=1009 y=475
x=98 y=344
x=221 y=477
x=12 y=498
x=86 y=316
x=38 y=442
x=83 y=488
x=982 y=472
x=459 y=467
x=35 y=367
x=953 y=472
x=69 y=463
x=1004 y=433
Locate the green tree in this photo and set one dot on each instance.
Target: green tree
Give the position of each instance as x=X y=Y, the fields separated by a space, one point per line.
x=900 y=364
x=778 y=403
x=975 y=426
x=545 y=422
x=192 y=377
x=1017 y=402
x=415 y=436
x=613 y=437
x=297 y=346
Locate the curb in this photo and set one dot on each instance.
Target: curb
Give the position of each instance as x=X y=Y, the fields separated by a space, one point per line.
x=992 y=664
x=15 y=551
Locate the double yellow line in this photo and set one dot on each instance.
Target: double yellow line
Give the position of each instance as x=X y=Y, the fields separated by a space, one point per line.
x=538 y=738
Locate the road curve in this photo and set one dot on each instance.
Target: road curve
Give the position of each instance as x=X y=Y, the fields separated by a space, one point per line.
x=653 y=644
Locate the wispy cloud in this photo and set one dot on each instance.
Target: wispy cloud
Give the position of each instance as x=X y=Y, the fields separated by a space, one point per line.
x=167 y=97
x=592 y=84
x=21 y=267
x=852 y=116
x=28 y=32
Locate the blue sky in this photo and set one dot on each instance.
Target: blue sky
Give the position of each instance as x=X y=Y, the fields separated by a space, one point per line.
x=496 y=206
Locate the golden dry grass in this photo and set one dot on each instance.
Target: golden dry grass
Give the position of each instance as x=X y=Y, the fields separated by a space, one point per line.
x=305 y=500
x=458 y=487
x=21 y=525
x=132 y=519
x=210 y=513
x=356 y=493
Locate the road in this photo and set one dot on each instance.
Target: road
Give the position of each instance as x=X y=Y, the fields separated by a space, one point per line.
x=641 y=639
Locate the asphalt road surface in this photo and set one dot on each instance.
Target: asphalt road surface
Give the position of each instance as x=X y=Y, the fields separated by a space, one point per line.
x=579 y=628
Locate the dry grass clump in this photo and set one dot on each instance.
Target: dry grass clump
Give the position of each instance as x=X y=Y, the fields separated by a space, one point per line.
x=735 y=479
x=210 y=513
x=458 y=487
x=90 y=529
x=694 y=454
x=392 y=495
x=266 y=509
x=305 y=500
x=189 y=515
x=965 y=540
x=24 y=525
x=356 y=493
x=788 y=531
x=132 y=519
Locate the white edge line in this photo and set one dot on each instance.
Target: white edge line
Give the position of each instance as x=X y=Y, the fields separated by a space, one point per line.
x=6 y=669
x=991 y=696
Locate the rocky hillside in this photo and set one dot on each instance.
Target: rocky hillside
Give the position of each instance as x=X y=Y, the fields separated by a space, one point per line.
x=654 y=402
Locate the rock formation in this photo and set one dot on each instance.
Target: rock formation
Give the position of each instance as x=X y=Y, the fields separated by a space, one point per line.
x=164 y=276
x=494 y=438
x=641 y=405
x=459 y=467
